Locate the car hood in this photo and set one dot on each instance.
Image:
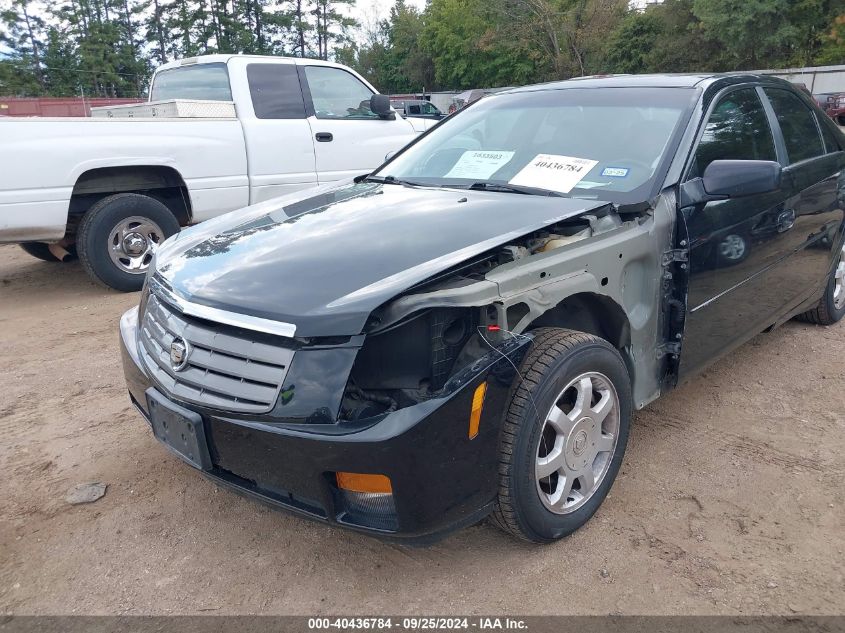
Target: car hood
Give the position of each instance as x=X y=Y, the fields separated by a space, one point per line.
x=325 y=261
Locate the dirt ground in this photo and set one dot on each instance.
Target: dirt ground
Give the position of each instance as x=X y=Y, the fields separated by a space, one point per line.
x=730 y=499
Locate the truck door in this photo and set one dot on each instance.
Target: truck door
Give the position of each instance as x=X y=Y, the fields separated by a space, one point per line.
x=737 y=246
x=349 y=138
x=279 y=146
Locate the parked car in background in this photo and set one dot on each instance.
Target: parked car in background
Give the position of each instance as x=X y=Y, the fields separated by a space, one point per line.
x=836 y=107
x=219 y=132
x=420 y=109
x=468 y=329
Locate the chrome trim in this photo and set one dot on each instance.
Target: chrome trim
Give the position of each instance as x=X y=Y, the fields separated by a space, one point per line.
x=256 y=324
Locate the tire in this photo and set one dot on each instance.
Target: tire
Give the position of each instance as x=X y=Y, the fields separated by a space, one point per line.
x=40 y=250
x=118 y=236
x=831 y=307
x=559 y=357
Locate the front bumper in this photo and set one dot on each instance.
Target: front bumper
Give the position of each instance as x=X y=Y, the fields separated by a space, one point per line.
x=441 y=479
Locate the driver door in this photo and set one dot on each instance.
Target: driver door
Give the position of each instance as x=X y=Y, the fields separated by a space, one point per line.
x=737 y=246
x=349 y=139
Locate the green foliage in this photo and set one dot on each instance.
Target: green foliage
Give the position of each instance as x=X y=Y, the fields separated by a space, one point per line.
x=632 y=44
x=109 y=47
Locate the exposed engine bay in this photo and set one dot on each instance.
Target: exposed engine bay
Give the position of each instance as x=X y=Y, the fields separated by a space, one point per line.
x=409 y=357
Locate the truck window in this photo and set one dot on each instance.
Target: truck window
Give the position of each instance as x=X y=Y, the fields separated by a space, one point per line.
x=737 y=130
x=337 y=94
x=797 y=124
x=208 y=82
x=275 y=91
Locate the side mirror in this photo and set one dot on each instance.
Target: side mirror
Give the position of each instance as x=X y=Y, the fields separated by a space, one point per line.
x=380 y=105
x=732 y=179
x=389 y=155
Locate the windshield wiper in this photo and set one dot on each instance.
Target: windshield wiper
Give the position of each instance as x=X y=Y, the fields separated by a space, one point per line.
x=393 y=180
x=530 y=191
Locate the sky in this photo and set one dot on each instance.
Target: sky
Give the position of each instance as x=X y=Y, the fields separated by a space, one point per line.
x=368 y=12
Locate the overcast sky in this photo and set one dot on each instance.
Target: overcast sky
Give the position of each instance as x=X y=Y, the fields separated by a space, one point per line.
x=368 y=12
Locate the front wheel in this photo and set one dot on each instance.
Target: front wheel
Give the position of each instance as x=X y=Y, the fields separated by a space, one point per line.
x=564 y=435
x=118 y=237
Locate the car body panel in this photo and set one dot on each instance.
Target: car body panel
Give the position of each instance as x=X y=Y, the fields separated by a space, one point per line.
x=337 y=261
x=345 y=252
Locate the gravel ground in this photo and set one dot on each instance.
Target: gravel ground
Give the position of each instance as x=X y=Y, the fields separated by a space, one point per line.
x=730 y=499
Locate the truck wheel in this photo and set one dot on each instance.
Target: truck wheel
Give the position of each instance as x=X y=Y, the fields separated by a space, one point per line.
x=831 y=307
x=118 y=236
x=40 y=250
x=564 y=435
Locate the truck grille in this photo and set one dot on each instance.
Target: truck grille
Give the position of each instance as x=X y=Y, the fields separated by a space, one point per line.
x=227 y=368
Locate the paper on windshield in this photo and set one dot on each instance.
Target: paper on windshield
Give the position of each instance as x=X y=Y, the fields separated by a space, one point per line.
x=553 y=172
x=479 y=164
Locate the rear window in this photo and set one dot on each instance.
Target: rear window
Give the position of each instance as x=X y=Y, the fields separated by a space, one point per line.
x=797 y=124
x=831 y=142
x=206 y=82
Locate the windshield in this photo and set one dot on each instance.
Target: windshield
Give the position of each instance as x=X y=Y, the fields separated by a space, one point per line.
x=600 y=143
x=209 y=82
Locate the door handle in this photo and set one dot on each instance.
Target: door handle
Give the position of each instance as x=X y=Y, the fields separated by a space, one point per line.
x=324 y=137
x=786 y=220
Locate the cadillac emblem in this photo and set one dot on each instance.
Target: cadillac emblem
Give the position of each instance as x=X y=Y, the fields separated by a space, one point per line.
x=179 y=352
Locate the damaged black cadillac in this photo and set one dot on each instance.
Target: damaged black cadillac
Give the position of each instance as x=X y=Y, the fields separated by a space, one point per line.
x=466 y=331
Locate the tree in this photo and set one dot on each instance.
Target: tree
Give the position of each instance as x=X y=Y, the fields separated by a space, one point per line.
x=21 y=31
x=752 y=33
x=630 y=47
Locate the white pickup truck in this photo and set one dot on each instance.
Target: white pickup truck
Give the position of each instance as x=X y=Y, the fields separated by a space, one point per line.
x=219 y=132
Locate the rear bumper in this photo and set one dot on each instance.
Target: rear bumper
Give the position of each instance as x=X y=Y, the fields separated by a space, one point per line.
x=441 y=479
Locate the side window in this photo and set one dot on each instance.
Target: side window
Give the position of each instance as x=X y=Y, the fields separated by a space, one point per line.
x=737 y=130
x=797 y=124
x=338 y=94
x=275 y=91
x=414 y=109
x=831 y=142
x=205 y=82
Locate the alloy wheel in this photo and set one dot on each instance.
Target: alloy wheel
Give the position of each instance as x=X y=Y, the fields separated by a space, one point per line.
x=577 y=443
x=839 y=282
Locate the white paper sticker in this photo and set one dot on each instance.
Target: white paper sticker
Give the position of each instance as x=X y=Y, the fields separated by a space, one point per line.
x=479 y=164
x=555 y=173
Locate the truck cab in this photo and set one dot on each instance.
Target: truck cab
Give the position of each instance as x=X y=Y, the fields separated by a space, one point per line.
x=218 y=133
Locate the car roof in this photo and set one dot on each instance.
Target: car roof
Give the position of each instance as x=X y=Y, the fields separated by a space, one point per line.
x=690 y=80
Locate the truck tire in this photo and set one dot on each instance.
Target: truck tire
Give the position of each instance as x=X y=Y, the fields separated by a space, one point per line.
x=40 y=250
x=118 y=236
x=831 y=307
x=564 y=435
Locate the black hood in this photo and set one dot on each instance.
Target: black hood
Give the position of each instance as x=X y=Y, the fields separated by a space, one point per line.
x=324 y=263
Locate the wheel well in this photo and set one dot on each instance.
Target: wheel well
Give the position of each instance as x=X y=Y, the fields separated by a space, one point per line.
x=164 y=184
x=591 y=313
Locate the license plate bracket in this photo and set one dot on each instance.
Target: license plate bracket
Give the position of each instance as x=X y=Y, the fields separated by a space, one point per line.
x=179 y=429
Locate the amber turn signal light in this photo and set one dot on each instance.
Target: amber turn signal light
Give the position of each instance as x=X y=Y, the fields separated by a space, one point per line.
x=477 y=405
x=357 y=482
